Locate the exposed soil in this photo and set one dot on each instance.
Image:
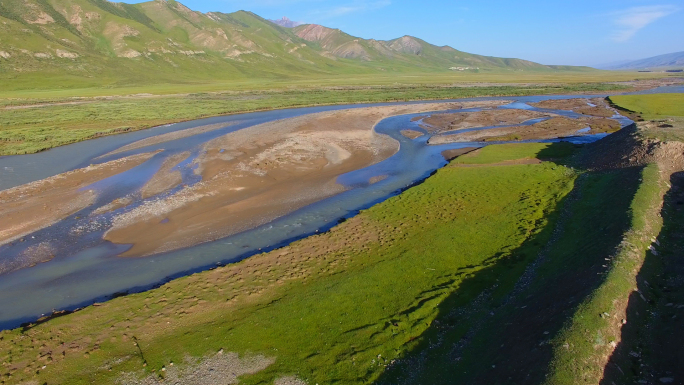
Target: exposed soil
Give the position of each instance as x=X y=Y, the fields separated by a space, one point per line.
x=412 y=134
x=169 y=137
x=593 y=107
x=647 y=84
x=453 y=154
x=556 y=127
x=33 y=206
x=253 y=176
x=438 y=123
x=620 y=150
x=166 y=178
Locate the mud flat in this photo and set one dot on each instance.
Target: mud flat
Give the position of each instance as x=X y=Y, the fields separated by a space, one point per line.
x=438 y=123
x=167 y=177
x=412 y=134
x=593 y=107
x=553 y=128
x=36 y=205
x=169 y=137
x=250 y=177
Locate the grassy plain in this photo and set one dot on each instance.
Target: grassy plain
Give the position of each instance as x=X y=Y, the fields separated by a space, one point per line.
x=33 y=125
x=60 y=86
x=514 y=151
x=336 y=307
x=652 y=106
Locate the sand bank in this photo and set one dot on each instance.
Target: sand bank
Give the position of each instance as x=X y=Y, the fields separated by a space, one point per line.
x=255 y=175
x=556 y=127
x=33 y=206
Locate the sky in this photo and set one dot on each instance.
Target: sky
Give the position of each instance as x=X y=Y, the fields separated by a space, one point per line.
x=577 y=32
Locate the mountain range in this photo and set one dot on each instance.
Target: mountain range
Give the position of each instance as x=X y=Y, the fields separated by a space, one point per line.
x=163 y=40
x=667 y=61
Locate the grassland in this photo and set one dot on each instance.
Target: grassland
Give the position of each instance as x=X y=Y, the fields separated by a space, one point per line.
x=61 y=86
x=33 y=125
x=523 y=335
x=336 y=307
x=653 y=106
x=488 y=272
x=593 y=331
x=649 y=280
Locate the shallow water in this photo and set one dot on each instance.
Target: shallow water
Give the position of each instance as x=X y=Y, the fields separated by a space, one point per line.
x=88 y=269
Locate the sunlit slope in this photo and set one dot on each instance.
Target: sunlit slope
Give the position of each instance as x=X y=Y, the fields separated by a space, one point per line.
x=412 y=52
x=99 y=42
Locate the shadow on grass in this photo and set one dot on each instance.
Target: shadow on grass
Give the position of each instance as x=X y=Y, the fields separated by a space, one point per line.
x=497 y=327
x=651 y=350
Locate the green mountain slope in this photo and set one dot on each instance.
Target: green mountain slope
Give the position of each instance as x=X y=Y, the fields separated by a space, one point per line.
x=99 y=42
x=407 y=50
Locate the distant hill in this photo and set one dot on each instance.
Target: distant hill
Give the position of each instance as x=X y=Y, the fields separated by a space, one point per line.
x=407 y=50
x=287 y=23
x=668 y=61
x=96 y=41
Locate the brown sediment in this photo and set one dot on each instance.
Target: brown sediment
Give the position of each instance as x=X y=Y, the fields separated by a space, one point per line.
x=377 y=179
x=580 y=106
x=557 y=127
x=438 y=123
x=33 y=206
x=166 y=178
x=114 y=205
x=411 y=134
x=180 y=134
x=255 y=175
x=455 y=153
x=596 y=111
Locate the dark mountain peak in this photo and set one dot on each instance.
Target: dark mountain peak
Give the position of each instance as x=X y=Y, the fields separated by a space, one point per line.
x=286 y=22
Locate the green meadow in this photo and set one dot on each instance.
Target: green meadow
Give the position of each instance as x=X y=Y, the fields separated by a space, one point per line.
x=333 y=308
x=652 y=106
x=33 y=125
x=487 y=272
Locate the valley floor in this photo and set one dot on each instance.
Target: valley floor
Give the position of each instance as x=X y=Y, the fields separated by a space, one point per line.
x=517 y=263
x=35 y=121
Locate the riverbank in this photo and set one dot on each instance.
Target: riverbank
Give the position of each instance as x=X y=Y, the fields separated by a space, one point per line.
x=252 y=176
x=506 y=264
x=299 y=305
x=241 y=164
x=498 y=277
x=37 y=124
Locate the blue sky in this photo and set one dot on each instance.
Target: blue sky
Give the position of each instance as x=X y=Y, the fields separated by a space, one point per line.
x=578 y=32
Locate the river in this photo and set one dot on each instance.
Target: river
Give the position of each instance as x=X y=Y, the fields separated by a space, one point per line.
x=94 y=273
